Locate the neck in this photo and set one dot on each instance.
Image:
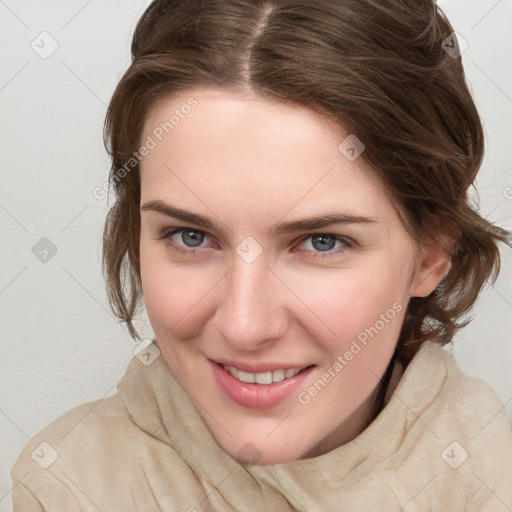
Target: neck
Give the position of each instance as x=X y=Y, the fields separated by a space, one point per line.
x=364 y=415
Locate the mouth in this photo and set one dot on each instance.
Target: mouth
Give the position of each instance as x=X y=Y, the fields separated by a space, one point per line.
x=261 y=389
x=263 y=378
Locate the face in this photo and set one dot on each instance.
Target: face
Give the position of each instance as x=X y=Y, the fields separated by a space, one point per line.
x=275 y=271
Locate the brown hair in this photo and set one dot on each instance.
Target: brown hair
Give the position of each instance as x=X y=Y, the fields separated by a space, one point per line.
x=378 y=68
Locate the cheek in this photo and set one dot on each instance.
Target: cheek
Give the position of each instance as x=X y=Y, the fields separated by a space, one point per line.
x=355 y=300
x=174 y=297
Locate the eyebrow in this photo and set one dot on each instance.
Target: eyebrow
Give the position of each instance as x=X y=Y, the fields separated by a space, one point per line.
x=315 y=222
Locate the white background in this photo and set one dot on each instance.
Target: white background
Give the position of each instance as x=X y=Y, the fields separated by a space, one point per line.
x=60 y=344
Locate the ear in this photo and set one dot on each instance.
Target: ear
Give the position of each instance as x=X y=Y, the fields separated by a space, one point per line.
x=434 y=258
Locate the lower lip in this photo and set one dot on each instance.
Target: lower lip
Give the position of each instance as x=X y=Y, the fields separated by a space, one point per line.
x=257 y=396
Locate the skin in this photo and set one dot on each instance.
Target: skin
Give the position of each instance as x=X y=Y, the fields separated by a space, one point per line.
x=248 y=163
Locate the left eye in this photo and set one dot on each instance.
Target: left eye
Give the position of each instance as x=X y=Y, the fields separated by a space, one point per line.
x=323 y=242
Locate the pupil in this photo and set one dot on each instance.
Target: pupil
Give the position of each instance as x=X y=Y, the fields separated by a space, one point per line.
x=327 y=242
x=192 y=238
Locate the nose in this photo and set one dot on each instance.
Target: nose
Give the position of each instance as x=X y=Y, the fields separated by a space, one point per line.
x=251 y=312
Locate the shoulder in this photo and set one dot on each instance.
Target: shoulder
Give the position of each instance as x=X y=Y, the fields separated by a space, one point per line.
x=92 y=442
x=85 y=420
x=102 y=423
x=458 y=404
x=459 y=430
x=96 y=456
x=466 y=400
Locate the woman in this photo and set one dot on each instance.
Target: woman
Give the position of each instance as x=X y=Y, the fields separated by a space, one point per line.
x=291 y=210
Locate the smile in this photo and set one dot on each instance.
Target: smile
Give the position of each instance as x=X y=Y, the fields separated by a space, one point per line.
x=264 y=378
x=258 y=390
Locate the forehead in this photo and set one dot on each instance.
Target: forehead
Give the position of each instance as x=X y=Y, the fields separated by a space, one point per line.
x=254 y=153
x=249 y=124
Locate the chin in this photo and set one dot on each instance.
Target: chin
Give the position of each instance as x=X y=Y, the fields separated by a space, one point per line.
x=268 y=460
x=260 y=452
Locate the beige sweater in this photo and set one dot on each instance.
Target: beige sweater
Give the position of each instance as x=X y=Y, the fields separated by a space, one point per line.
x=443 y=443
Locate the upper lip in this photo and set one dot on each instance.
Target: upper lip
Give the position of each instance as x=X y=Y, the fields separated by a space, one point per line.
x=258 y=367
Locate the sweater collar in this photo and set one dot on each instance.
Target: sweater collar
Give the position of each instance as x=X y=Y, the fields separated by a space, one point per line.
x=159 y=406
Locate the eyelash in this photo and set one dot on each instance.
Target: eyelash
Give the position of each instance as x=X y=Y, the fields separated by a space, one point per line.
x=167 y=233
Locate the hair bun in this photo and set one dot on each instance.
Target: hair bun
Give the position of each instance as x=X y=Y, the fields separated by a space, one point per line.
x=145 y=24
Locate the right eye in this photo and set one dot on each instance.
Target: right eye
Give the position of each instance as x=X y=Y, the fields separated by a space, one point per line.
x=186 y=240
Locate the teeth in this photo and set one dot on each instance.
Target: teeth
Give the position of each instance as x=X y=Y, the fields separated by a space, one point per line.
x=278 y=375
x=291 y=373
x=264 y=377
x=246 y=377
